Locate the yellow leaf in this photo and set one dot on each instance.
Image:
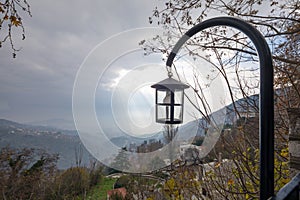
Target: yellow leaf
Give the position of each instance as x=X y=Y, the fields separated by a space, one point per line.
x=217 y=165
x=284 y=153
x=247 y=196
x=230 y=182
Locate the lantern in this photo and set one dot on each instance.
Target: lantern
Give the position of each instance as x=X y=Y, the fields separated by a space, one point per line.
x=169 y=101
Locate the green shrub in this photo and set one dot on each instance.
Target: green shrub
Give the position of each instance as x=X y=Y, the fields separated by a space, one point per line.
x=71 y=183
x=95 y=175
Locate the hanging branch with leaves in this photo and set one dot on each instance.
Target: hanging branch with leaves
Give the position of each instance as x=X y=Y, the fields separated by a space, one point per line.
x=11 y=19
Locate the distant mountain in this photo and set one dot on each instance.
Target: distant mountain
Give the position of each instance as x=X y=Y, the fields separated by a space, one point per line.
x=55 y=123
x=7 y=123
x=247 y=107
x=52 y=140
x=4 y=123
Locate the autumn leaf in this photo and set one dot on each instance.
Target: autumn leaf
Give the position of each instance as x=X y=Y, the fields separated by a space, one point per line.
x=284 y=153
x=247 y=196
x=230 y=182
x=15 y=21
x=217 y=165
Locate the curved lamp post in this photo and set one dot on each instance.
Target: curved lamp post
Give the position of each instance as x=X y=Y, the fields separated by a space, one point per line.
x=266 y=97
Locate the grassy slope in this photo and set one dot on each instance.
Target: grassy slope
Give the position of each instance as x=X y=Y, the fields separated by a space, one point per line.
x=100 y=190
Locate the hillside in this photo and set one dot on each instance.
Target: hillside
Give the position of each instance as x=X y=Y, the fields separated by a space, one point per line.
x=52 y=140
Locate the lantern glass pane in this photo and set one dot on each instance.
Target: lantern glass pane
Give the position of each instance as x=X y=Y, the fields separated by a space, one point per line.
x=178 y=94
x=178 y=113
x=162 y=97
x=164 y=112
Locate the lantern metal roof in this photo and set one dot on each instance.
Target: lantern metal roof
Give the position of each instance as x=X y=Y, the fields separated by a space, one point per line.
x=170 y=84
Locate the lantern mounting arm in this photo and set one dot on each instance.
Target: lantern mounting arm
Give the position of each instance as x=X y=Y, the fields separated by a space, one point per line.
x=266 y=97
x=169 y=69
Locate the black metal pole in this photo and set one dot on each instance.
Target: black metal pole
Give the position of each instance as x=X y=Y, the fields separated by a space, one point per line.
x=266 y=97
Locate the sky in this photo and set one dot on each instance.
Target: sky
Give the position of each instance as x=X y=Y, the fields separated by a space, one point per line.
x=63 y=39
x=80 y=63
x=37 y=85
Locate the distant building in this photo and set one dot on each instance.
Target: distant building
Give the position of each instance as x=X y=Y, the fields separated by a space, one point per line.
x=132 y=147
x=146 y=147
x=190 y=152
x=248 y=114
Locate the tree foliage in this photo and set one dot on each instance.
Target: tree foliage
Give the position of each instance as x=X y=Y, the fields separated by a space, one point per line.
x=26 y=173
x=11 y=19
x=233 y=58
x=235 y=175
x=278 y=21
x=121 y=161
x=33 y=174
x=71 y=183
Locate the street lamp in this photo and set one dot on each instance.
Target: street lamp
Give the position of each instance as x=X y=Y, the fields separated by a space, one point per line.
x=266 y=97
x=169 y=99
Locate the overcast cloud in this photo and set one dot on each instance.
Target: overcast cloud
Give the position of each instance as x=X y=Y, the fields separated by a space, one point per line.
x=37 y=85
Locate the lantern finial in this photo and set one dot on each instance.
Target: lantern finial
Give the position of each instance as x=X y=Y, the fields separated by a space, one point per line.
x=169 y=69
